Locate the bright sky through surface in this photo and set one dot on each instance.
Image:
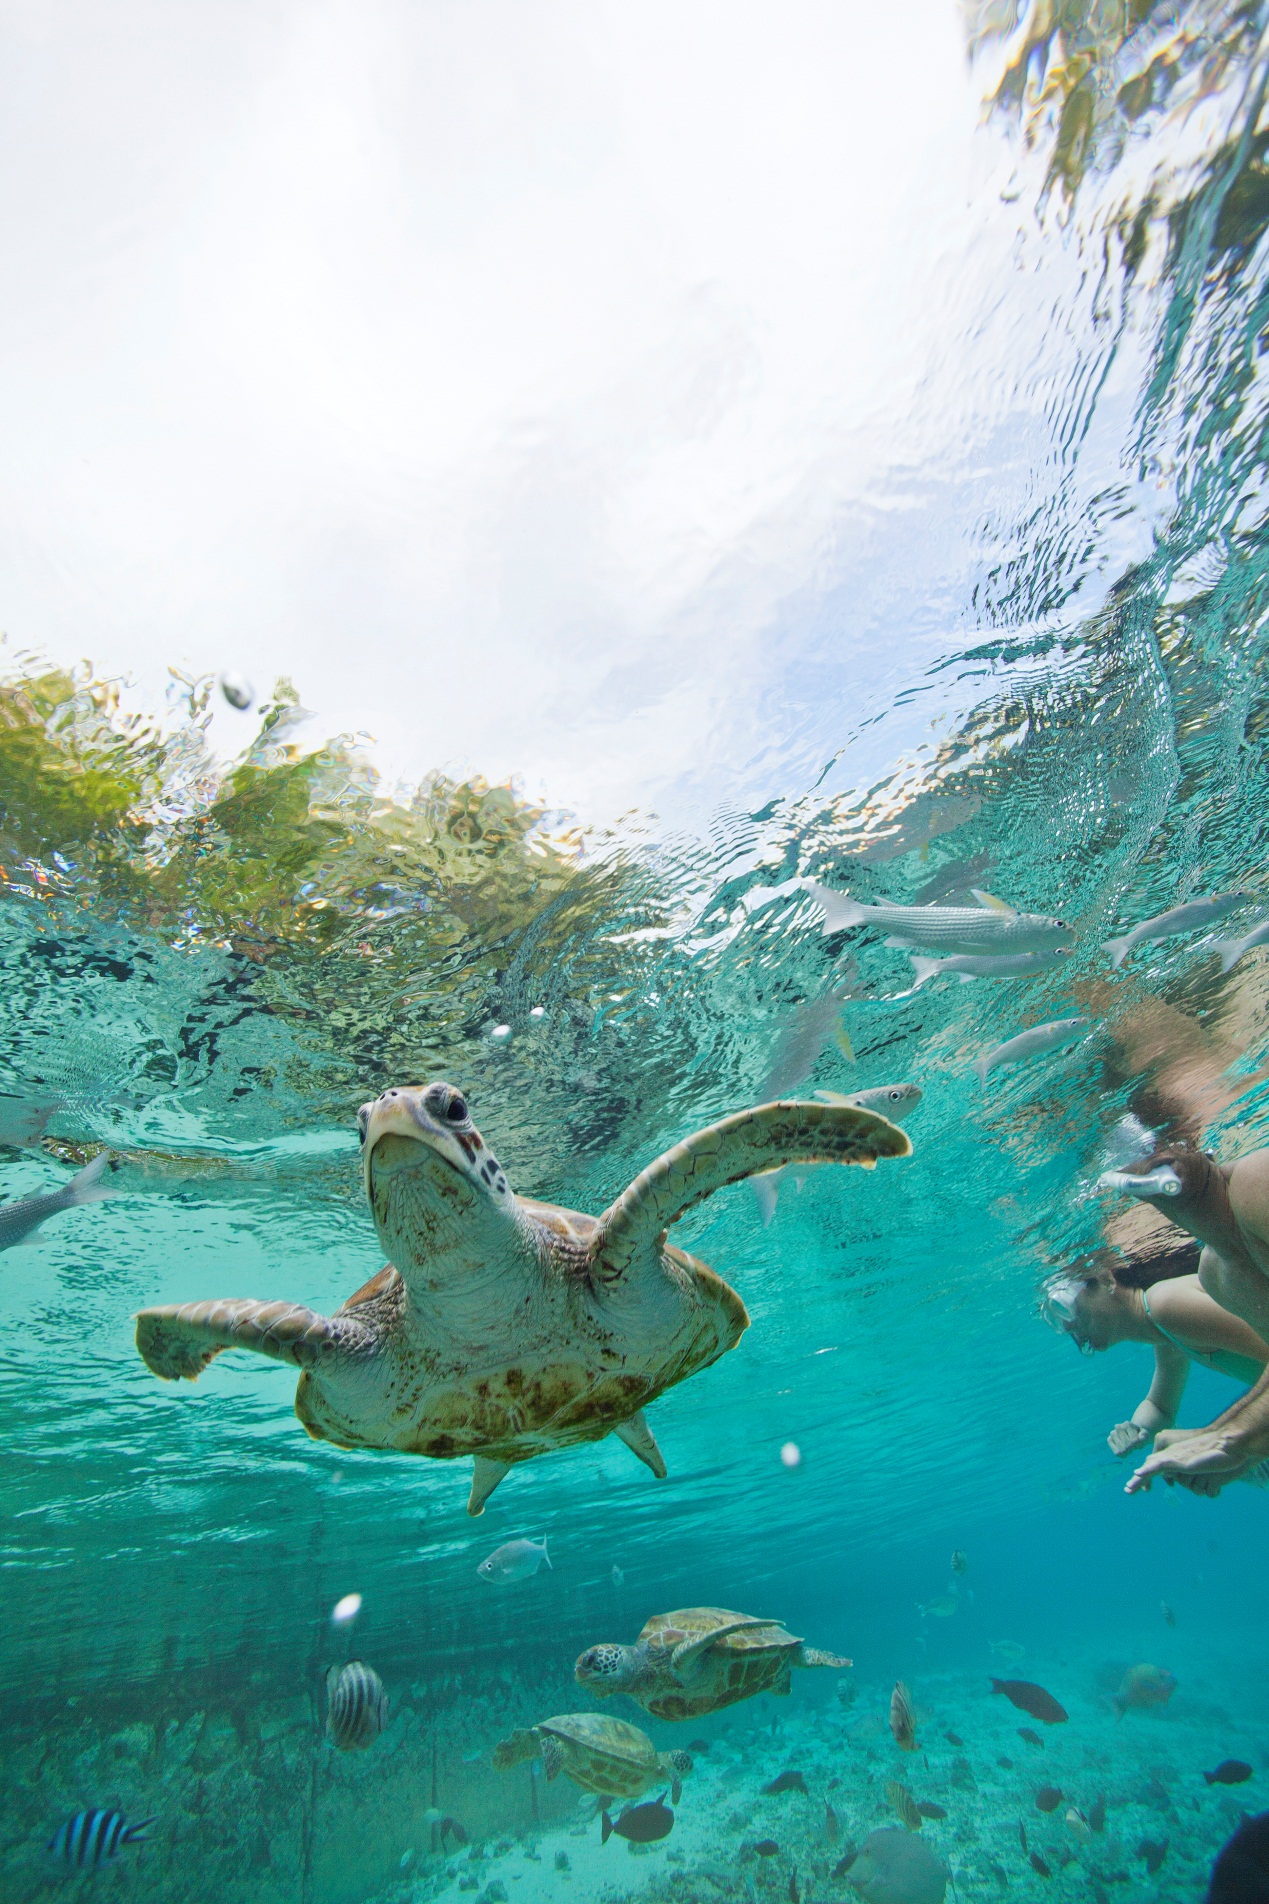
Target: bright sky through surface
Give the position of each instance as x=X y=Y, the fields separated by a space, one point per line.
x=499 y=373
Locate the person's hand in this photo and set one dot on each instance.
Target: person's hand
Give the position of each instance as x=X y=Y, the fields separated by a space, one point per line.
x=1126 y=1437
x=1202 y=1460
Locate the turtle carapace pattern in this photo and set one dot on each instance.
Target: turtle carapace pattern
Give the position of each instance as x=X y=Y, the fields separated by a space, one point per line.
x=603 y=1755
x=697 y=1660
x=504 y=1327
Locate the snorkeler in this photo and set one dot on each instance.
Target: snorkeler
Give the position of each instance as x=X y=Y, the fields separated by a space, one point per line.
x=1226 y=1208
x=1155 y=1298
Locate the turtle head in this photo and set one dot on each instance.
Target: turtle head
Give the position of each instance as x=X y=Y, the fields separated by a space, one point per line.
x=607 y=1668
x=438 y=1194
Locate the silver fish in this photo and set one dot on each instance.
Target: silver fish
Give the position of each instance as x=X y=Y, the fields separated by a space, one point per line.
x=356 y=1706
x=1033 y=1043
x=1199 y=912
x=989 y=927
x=515 y=1560
x=968 y=965
x=804 y=1032
x=894 y=1101
x=1231 y=950
x=93 y=1838
x=19 y=1221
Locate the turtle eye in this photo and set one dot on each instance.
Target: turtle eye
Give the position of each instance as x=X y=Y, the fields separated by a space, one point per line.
x=456 y=1111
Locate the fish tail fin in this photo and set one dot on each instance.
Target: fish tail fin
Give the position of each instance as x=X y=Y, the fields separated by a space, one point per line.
x=924 y=968
x=980 y=1071
x=1231 y=950
x=546 y=1557
x=605 y=1829
x=839 y=909
x=1118 y=949
x=997 y=1685
x=766 y=1187
x=86 y=1186
x=1210 y=1777
x=136 y=1834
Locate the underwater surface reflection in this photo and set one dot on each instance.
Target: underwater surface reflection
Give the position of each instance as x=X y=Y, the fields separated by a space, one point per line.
x=802 y=1567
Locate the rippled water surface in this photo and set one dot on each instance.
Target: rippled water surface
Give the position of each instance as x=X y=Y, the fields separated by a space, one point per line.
x=1025 y=656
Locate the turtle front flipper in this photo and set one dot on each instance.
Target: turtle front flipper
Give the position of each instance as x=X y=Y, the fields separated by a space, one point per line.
x=787 y=1132
x=179 y=1340
x=688 y=1654
x=640 y=1440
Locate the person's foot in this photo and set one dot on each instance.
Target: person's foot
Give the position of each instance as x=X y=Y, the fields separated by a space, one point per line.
x=1203 y=1459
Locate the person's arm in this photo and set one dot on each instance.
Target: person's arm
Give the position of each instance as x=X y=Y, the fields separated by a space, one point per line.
x=1184 y=1308
x=1159 y=1409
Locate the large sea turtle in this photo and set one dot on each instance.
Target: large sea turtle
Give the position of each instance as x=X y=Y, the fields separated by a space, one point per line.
x=504 y=1327
x=599 y=1754
x=694 y=1661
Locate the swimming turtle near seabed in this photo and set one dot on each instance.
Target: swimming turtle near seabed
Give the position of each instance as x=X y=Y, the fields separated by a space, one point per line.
x=698 y=1660
x=503 y=1327
x=599 y=1754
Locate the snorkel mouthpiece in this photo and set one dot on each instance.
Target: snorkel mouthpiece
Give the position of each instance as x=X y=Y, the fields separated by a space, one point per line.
x=1161 y=1182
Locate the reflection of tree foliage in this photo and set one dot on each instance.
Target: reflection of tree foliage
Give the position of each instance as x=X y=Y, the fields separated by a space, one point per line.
x=382 y=927
x=1078 y=74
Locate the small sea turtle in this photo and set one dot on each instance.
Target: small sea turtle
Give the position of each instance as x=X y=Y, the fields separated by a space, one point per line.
x=504 y=1327
x=599 y=1754
x=694 y=1661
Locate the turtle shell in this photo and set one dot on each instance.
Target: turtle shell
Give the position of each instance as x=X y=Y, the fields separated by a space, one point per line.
x=754 y=1660
x=605 y=1755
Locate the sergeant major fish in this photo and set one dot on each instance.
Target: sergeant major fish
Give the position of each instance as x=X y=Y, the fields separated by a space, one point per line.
x=1164 y=925
x=19 y=1221
x=356 y=1706
x=515 y=1560
x=92 y=1838
x=990 y=927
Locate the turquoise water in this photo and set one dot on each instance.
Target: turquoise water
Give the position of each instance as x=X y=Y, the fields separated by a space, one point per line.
x=210 y=963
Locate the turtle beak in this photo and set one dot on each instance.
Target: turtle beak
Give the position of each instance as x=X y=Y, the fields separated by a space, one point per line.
x=403 y=1113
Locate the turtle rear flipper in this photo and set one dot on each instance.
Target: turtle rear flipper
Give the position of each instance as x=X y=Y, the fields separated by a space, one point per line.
x=739 y=1146
x=179 y=1340
x=816 y=1656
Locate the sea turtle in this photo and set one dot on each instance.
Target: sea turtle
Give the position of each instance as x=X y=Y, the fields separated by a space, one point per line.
x=599 y=1754
x=504 y=1327
x=694 y=1661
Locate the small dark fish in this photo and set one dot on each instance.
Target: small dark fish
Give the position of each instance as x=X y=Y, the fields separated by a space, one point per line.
x=832 y=1826
x=1230 y=1772
x=698 y=1745
x=1031 y=1698
x=1097 y=1813
x=1048 y=1798
x=786 y=1782
x=1031 y=1736
x=928 y=1809
x=641 y=1824
x=794 y=1894
x=1154 y=1851
x=356 y=1706
x=1240 y=1874
x=960 y=1561
x=1169 y=1617
x=93 y=1838
x=451 y=1827
x=1038 y=1864
x=1007 y=1763
x=844 y=1862
x=953 y=1738
x=999 y=1873
x=1022 y=1837
x=766 y=1847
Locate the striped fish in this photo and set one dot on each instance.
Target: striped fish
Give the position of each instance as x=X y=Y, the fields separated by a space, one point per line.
x=356 y=1706
x=93 y=1838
